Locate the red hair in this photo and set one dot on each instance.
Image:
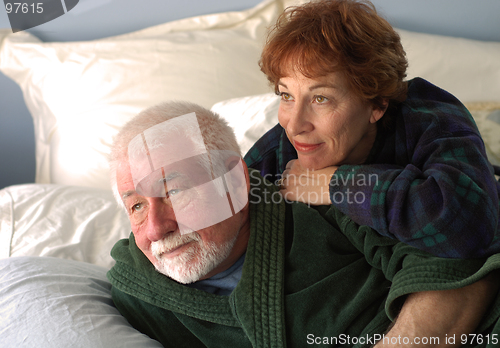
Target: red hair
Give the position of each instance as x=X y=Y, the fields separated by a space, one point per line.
x=349 y=36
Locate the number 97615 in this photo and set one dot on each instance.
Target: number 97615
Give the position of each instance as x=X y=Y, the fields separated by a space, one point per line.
x=22 y=7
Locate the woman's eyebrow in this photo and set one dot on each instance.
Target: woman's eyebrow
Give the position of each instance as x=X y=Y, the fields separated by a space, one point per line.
x=282 y=84
x=316 y=86
x=322 y=85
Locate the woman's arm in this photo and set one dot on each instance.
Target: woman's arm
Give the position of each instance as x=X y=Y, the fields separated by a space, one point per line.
x=448 y=206
x=441 y=296
x=442 y=318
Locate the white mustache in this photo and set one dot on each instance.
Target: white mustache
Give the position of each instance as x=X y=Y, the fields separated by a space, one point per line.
x=172 y=242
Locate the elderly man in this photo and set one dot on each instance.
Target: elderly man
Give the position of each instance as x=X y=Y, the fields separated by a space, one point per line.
x=216 y=258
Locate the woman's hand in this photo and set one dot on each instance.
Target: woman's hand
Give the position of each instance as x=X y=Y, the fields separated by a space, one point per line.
x=305 y=185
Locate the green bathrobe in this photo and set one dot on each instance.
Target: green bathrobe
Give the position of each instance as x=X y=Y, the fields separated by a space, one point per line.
x=311 y=276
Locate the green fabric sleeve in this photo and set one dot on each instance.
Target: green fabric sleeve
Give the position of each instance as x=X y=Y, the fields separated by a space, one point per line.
x=409 y=269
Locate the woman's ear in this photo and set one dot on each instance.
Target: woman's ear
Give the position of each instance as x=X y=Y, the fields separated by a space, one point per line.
x=378 y=112
x=238 y=182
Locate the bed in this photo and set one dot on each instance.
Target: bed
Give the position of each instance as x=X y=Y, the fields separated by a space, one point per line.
x=57 y=230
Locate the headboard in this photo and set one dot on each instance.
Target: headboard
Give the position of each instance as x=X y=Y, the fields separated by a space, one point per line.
x=96 y=19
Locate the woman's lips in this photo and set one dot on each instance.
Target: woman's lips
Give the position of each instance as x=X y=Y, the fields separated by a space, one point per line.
x=303 y=147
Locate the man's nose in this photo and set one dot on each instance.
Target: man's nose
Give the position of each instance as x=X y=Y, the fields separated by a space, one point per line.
x=161 y=219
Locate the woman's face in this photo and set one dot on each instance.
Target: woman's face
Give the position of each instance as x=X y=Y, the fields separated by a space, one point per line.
x=327 y=124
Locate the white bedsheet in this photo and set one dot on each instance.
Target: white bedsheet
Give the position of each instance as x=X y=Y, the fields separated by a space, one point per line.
x=52 y=303
x=69 y=222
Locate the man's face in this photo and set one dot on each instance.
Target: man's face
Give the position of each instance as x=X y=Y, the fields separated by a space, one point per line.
x=171 y=229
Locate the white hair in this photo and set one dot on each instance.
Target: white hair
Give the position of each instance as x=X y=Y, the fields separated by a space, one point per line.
x=218 y=137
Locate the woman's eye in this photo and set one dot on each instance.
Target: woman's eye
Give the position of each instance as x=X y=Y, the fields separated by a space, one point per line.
x=320 y=99
x=286 y=96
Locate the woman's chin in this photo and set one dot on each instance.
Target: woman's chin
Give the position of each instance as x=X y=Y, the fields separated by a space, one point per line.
x=309 y=163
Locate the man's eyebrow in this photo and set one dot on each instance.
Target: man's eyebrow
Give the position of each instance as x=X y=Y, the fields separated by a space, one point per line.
x=163 y=180
x=170 y=176
x=166 y=178
x=127 y=194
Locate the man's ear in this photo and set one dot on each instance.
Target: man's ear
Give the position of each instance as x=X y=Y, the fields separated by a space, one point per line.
x=378 y=112
x=238 y=182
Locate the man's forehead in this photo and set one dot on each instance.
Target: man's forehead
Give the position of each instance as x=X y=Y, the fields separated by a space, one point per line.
x=164 y=144
x=173 y=148
x=170 y=157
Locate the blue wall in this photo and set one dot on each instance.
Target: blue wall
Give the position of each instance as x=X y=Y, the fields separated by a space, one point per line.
x=472 y=19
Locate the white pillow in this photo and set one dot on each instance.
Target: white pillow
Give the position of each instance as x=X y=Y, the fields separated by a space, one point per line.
x=469 y=69
x=251 y=117
x=48 y=302
x=69 y=222
x=80 y=93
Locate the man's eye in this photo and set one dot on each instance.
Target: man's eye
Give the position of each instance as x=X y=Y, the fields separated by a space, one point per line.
x=173 y=192
x=136 y=207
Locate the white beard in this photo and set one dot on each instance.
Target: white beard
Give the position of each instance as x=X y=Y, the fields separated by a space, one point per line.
x=197 y=261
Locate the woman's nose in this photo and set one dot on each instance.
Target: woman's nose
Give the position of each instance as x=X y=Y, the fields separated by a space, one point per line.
x=161 y=220
x=296 y=119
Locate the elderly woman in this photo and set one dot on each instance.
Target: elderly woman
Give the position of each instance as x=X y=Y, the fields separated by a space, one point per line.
x=403 y=157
